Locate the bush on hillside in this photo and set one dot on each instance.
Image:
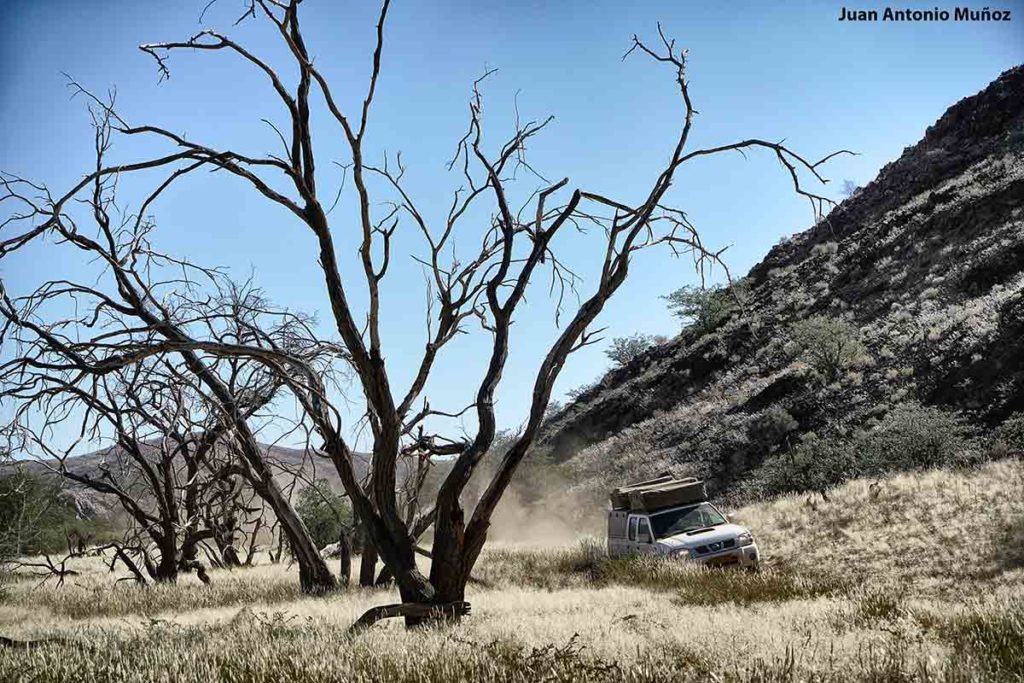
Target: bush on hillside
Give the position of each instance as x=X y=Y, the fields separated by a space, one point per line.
x=910 y=437
x=552 y=410
x=1011 y=432
x=576 y=392
x=915 y=437
x=771 y=427
x=850 y=188
x=625 y=349
x=815 y=464
x=829 y=345
x=704 y=308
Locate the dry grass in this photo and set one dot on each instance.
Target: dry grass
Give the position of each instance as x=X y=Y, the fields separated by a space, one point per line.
x=838 y=603
x=940 y=532
x=588 y=566
x=95 y=593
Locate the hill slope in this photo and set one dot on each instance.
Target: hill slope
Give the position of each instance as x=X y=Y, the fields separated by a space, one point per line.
x=926 y=263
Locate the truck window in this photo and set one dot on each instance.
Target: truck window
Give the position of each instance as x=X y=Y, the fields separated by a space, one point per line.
x=644 y=532
x=685 y=519
x=632 y=528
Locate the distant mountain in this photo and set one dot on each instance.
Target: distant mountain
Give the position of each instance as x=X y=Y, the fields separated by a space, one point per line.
x=927 y=261
x=286 y=463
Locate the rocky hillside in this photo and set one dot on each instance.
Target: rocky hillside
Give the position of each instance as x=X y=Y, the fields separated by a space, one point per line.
x=925 y=267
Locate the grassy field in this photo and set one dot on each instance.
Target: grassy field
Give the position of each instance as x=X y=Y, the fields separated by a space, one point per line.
x=914 y=578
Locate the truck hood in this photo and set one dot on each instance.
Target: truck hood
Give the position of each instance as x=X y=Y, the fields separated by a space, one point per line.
x=692 y=539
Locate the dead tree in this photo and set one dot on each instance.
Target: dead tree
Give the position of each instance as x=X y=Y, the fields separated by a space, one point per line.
x=233 y=515
x=165 y=462
x=141 y=315
x=480 y=289
x=49 y=569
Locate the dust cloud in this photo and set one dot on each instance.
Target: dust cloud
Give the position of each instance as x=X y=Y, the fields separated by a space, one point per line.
x=557 y=517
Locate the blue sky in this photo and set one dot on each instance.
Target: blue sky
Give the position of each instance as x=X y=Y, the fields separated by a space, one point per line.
x=772 y=70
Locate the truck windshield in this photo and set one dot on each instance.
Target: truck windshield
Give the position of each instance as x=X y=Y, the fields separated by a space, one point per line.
x=680 y=521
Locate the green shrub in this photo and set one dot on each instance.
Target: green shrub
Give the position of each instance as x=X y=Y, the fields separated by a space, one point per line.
x=625 y=349
x=770 y=427
x=1011 y=432
x=828 y=345
x=909 y=437
x=36 y=516
x=815 y=464
x=913 y=437
x=704 y=308
x=324 y=512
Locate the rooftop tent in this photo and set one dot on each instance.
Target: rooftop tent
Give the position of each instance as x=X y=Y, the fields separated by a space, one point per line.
x=661 y=492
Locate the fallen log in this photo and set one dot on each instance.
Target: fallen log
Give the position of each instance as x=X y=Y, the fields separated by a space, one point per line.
x=446 y=610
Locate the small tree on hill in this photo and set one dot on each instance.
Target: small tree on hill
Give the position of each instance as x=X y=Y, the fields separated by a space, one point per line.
x=625 y=349
x=829 y=345
x=705 y=307
x=329 y=518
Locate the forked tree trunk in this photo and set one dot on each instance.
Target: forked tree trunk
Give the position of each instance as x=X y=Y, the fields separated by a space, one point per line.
x=277 y=552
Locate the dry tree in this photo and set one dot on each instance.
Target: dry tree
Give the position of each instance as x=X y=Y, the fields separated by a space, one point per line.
x=167 y=460
x=481 y=289
x=126 y=364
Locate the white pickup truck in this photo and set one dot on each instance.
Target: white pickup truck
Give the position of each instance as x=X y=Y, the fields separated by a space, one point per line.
x=693 y=529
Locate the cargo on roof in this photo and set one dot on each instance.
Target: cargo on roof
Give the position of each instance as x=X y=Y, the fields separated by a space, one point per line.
x=664 y=491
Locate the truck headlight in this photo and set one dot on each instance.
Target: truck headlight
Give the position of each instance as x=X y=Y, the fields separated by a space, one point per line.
x=745 y=539
x=681 y=554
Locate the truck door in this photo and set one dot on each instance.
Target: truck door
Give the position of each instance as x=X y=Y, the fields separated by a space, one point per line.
x=644 y=537
x=631 y=534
